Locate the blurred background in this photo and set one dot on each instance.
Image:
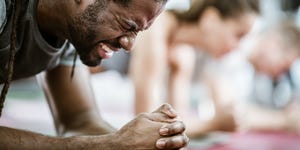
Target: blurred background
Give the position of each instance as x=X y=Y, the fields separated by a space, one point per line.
x=245 y=97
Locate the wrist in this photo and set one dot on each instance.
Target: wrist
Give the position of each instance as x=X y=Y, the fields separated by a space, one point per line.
x=107 y=142
x=89 y=129
x=87 y=123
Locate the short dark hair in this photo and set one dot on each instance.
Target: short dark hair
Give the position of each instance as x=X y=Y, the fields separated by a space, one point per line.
x=227 y=9
x=290 y=5
x=123 y=2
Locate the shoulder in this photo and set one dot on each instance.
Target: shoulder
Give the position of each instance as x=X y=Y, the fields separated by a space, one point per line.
x=2 y=14
x=166 y=19
x=164 y=25
x=171 y=21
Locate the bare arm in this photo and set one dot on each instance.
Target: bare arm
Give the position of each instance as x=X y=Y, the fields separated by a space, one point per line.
x=181 y=63
x=144 y=132
x=72 y=102
x=74 y=107
x=149 y=63
x=18 y=139
x=147 y=68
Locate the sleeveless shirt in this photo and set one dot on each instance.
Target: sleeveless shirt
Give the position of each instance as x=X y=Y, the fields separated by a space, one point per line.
x=33 y=54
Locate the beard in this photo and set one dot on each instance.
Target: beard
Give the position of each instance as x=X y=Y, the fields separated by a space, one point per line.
x=89 y=57
x=82 y=33
x=87 y=53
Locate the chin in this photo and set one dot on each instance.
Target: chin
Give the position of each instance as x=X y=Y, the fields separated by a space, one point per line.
x=90 y=62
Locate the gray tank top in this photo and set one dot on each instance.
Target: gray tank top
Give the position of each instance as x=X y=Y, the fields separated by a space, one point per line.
x=2 y=14
x=33 y=54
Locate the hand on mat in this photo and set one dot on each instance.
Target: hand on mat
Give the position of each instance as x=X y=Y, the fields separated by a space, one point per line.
x=157 y=130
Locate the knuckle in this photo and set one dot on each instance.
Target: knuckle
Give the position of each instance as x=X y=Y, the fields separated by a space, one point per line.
x=162 y=108
x=177 y=127
x=186 y=139
x=171 y=143
x=177 y=142
x=143 y=115
x=182 y=125
x=166 y=106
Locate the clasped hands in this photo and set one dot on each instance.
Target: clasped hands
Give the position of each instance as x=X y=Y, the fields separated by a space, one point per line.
x=160 y=129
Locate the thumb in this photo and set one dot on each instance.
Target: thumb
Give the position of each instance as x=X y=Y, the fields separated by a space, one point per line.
x=167 y=109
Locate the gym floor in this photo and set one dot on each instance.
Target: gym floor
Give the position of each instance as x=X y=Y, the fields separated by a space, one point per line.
x=26 y=108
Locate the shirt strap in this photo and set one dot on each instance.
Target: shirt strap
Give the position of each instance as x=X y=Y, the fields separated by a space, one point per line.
x=2 y=15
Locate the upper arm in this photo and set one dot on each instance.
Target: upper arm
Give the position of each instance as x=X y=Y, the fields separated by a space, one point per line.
x=64 y=90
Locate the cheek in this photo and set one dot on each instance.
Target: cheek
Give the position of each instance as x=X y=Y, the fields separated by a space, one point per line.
x=274 y=65
x=102 y=29
x=104 y=32
x=232 y=39
x=222 y=43
x=211 y=44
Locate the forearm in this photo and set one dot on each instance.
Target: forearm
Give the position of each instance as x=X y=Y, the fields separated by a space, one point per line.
x=178 y=89
x=73 y=103
x=18 y=139
x=147 y=86
x=180 y=76
x=86 y=124
x=145 y=98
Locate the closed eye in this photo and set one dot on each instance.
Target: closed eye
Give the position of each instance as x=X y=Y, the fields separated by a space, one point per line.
x=131 y=25
x=128 y=25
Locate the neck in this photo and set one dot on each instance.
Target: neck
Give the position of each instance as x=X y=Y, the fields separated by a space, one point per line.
x=51 y=19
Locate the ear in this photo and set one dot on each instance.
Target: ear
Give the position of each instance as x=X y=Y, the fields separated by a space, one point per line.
x=210 y=17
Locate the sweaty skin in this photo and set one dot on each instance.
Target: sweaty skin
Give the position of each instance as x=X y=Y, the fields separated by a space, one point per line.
x=95 y=28
x=102 y=23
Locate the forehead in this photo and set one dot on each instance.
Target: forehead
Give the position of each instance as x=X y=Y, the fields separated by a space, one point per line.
x=140 y=10
x=147 y=5
x=238 y=26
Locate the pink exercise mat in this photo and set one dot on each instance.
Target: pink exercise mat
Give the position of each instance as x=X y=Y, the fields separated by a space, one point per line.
x=258 y=141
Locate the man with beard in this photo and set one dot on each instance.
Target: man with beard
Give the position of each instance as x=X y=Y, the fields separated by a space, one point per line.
x=38 y=35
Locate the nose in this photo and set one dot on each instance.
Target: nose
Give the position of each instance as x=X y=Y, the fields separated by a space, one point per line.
x=127 y=42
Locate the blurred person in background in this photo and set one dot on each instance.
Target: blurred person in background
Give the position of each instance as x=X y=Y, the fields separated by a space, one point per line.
x=167 y=50
x=265 y=91
x=271 y=78
x=274 y=101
